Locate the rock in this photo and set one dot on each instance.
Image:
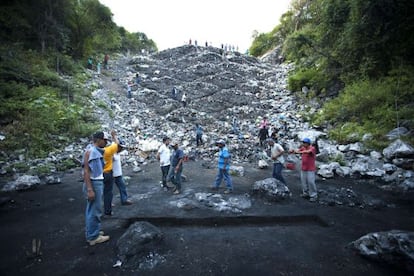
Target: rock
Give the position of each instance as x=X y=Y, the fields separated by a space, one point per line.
x=394 y=247
x=272 y=189
x=262 y=164
x=237 y=170
x=24 y=182
x=398 y=149
x=397 y=132
x=140 y=239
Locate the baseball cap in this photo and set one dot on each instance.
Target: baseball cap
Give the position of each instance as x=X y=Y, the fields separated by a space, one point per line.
x=122 y=143
x=101 y=135
x=306 y=140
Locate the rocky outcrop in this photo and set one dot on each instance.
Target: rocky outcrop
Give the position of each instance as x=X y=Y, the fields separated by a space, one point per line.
x=393 y=247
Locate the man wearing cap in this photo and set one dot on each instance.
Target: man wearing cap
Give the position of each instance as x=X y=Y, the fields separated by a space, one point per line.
x=164 y=156
x=223 y=168
x=117 y=174
x=93 y=166
x=276 y=154
x=307 y=175
x=176 y=167
x=108 y=176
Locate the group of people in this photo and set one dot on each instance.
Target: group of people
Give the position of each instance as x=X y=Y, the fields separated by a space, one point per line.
x=102 y=168
x=90 y=64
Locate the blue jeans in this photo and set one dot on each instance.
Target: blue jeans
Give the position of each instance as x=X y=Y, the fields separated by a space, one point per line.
x=176 y=177
x=119 y=182
x=277 y=172
x=223 y=173
x=93 y=211
x=108 y=192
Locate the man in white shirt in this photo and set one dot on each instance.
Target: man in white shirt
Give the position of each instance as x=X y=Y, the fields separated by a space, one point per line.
x=117 y=174
x=276 y=154
x=164 y=155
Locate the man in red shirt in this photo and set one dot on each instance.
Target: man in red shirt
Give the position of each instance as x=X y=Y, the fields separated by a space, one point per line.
x=307 y=175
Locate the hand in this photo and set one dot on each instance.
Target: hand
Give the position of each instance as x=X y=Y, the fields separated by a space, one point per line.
x=91 y=195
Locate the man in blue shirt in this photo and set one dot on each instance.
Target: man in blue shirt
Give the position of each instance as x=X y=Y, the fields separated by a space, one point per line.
x=223 y=168
x=199 y=135
x=177 y=160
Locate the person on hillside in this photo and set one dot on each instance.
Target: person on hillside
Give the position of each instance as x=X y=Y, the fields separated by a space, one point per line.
x=108 y=156
x=184 y=100
x=117 y=174
x=106 y=61
x=137 y=79
x=276 y=154
x=307 y=175
x=263 y=135
x=89 y=64
x=164 y=156
x=98 y=68
x=174 y=92
x=129 y=89
x=223 y=168
x=264 y=123
x=177 y=160
x=199 y=135
x=263 y=131
x=93 y=167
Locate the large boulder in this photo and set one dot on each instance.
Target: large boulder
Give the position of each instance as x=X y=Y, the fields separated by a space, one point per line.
x=141 y=239
x=394 y=247
x=271 y=189
x=398 y=149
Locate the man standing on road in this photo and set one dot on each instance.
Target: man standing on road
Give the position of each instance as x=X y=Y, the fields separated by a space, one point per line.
x=108 y=175
x=307 y=175
x=223 y=168
x=199 y=135
x=164 y=155
x=117 y=174
x=93 y=166
x=177 y=167
x=276 y=154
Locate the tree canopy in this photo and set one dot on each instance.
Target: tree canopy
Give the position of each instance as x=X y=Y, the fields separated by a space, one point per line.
x=345 y=48
x=43 y=51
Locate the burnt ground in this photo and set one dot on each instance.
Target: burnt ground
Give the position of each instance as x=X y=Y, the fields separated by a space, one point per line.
x=294 y=237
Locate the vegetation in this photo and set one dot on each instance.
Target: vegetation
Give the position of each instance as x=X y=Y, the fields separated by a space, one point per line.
x=44 y=47
x=357 y=53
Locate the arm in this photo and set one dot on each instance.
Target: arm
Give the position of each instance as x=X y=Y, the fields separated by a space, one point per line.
x=87 y=177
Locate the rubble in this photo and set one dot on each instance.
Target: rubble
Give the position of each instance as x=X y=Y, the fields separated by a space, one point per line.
x=221 y=89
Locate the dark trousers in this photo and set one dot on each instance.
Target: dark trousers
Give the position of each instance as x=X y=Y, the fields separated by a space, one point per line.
x=199 y=139
x=165 y=170
x=108 y=192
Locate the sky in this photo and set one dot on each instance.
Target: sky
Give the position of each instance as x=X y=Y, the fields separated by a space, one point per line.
x=172 y=23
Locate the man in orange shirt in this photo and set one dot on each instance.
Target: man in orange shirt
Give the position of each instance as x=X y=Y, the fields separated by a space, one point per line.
x=108 y=155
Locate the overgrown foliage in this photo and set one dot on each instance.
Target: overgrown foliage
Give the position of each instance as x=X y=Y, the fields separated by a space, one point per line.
x=44 y=45
x=358 y=51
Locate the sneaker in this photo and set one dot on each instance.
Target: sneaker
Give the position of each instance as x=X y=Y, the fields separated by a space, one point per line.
x=101 y=233
x=303 y=195
x=176 y=192
x=109 y=214
x=228 y=191
x=128 y=202
x=313 y=199
x=99 y=239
